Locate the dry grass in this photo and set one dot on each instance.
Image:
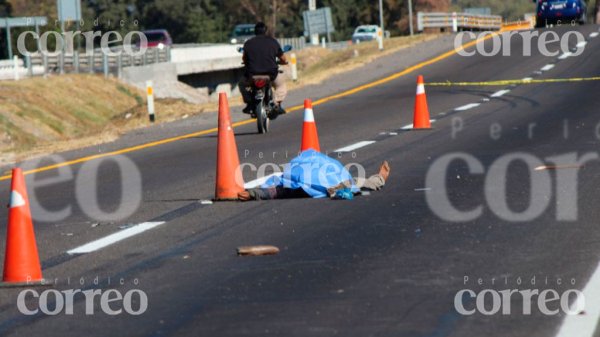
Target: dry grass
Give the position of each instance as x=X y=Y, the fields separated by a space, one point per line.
x=64 y=112
x=317 y=64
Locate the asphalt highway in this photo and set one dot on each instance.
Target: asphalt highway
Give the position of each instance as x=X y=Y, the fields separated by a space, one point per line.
x=384 y=264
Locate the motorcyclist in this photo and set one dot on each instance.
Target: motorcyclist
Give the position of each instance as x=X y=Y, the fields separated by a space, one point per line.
x=260 y=58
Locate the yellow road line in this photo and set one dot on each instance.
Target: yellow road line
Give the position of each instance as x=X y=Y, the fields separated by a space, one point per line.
x=510 y=82
x=248 y=121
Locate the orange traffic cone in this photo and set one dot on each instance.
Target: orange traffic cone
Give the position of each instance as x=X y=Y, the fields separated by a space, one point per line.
x=421 y=114
x=21 y=261
x=310 y=138
x=229 y=176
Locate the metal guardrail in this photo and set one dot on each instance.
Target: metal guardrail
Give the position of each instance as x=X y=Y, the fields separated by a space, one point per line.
x=98 y=62
x=341 y=45
x=297 y=43
x=458 y=21
x=519 y=25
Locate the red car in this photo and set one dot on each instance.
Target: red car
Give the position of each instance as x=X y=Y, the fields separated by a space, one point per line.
x=158 y=38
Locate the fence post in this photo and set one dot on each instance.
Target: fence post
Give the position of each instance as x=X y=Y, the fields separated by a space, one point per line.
x=119 y=65
x=105 y=64
x=29 y=65
x=45 y=61
x=91 y=62
x=76 y=61
x=16 y=67
x=294 y=67
x=61 y=62
x=454 y=22
x=150 y=94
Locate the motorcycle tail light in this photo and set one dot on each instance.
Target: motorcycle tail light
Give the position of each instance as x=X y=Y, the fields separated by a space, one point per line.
x=260 y=83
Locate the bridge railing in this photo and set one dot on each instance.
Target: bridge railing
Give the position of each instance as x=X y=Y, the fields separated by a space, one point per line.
x=297 y=43
x=38 y=64
x=458 y=21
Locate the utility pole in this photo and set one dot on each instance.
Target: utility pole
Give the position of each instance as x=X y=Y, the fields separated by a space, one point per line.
x=410 y=18
x=312 y=6
x=381 y=24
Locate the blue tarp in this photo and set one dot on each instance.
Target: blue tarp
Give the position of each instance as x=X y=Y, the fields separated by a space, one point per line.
x=313 y=172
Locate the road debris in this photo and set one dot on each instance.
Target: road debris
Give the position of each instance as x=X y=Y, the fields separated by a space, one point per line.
x=257 y=250
x=558 y=167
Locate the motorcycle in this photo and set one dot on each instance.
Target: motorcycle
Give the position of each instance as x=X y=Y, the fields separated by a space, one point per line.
x=264 y=108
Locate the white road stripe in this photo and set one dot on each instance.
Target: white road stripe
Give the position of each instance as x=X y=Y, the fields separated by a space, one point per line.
x=356 y=146
x=114 y=238
x=584 y=324
x=581 y=44
x=500 y=93
x=565 y=55
x=594 y=34
x=547 y=67
x=257 y=182
x=467 y=107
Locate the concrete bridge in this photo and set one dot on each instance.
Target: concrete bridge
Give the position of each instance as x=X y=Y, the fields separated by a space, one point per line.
x=195 y=73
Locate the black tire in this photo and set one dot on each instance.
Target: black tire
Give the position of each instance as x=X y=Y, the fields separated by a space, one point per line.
x=262 y=121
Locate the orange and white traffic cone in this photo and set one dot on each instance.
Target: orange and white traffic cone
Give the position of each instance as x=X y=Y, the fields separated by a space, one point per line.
x=310 y=138
x=229 y=176
x=21 y=261
x=421 y=113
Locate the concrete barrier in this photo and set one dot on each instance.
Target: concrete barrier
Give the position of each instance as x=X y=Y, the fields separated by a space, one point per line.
x=166 y=82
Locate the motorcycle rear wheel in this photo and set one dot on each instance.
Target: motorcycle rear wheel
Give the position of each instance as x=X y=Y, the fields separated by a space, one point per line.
x=262 y=121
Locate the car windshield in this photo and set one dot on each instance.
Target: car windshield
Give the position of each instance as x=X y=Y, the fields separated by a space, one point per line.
x=366 y=30
x=241 y=31
x=155 y=37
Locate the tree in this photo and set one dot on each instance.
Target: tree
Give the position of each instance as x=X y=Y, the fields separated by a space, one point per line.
x=509 y=10
x=186 y=20
x=5 y=11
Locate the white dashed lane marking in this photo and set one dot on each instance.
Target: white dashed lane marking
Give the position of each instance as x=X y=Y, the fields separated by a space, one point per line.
x=467 y=107
x=500 y=93
x=355 y=146
x=547 y=67
x=114 y=238
x=585 y=311
x=565 y=55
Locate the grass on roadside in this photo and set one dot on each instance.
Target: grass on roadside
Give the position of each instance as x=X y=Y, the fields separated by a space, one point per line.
x=58 y=113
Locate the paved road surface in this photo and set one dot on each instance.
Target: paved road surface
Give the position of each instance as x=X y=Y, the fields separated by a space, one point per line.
x=380 y=265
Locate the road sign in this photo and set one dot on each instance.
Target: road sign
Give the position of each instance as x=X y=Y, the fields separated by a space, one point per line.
x=69 y=10
x=318 y=21
x=26 y=21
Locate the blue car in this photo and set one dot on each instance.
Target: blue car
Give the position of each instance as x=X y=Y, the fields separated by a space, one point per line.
x=560 y=12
